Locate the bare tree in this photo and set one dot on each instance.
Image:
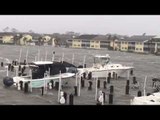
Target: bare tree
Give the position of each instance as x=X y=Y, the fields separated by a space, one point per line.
x=14 y=30
x=6 y=29
x=31 y=31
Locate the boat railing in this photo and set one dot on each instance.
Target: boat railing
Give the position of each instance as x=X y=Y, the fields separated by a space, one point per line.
x=128 y=64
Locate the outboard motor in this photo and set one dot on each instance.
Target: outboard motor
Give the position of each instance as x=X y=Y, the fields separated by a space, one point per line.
x=7 y=81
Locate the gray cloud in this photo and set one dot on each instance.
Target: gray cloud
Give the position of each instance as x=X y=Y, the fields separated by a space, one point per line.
x=96 y=24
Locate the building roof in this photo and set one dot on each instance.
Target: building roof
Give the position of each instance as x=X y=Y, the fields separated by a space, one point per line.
x=97 y=37
x=156 y=38
x=7 y=34
x=86 y=37
x=138 y=38
x=100 y=37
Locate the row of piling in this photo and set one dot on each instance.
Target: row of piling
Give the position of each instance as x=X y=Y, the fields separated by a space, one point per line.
x=71 y=96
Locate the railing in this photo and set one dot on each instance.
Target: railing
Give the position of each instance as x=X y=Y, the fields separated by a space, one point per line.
x=127 y=64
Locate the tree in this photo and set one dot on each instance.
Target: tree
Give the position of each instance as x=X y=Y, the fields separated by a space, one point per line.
x=57 y=41
x=40 y=40
x=17 y=38
x=6 y=29
x=14 y=30
x=114 y=38
x=25 y=40
x=31 y=31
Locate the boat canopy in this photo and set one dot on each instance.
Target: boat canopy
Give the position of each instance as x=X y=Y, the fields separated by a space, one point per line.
x=101 y=59
x=102 y=56
x=42 y=62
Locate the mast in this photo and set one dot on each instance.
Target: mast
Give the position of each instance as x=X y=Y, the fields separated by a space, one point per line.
x=62 y=57
x=27 y=56
x=73 y=58
x=38 y=54
x=46 y=56
x=20 y=55
x=144 y=89
x=84 y=60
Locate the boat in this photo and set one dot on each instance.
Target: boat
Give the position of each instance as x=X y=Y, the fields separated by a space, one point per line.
x=43 y=72
x=102 y=66
x=152 y=99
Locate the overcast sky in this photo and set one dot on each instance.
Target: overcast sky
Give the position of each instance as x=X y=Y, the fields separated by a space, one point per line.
x=91 y=24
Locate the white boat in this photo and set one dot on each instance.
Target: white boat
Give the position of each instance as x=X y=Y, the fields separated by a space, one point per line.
x=153 y=99
x=42 y=72
x=102 y=67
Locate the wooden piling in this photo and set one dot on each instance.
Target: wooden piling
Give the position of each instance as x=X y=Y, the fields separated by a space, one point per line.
x=111 y=89
x=71 y=99
x=75 y=91
x=98 y=84
x=104 y=84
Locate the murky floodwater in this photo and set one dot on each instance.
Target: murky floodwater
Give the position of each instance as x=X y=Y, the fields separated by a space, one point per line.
x=145 y=65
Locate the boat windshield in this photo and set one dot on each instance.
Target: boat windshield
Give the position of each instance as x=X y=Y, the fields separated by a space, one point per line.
x=35 y=69
x=101 y=60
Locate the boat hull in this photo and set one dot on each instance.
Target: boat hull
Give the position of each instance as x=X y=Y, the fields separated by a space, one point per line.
x=104 y=73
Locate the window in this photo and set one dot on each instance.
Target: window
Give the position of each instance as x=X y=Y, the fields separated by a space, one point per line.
x=69 y=40
x=97 y=41
x=122 y=47
x=122 y=42
x=140 y=49
x=133 y=43
x=92 y=45
x=86 y=41
x=92 y=41
x=104 y=41
x=125 y=42
x=140 y=43
x=103 y=46
x=83 y=45
x=136 y=48
x=126 y=48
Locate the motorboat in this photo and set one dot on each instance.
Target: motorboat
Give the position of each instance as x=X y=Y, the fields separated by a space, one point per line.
x=102 y=66
x=153 y=99
x=42 y=72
